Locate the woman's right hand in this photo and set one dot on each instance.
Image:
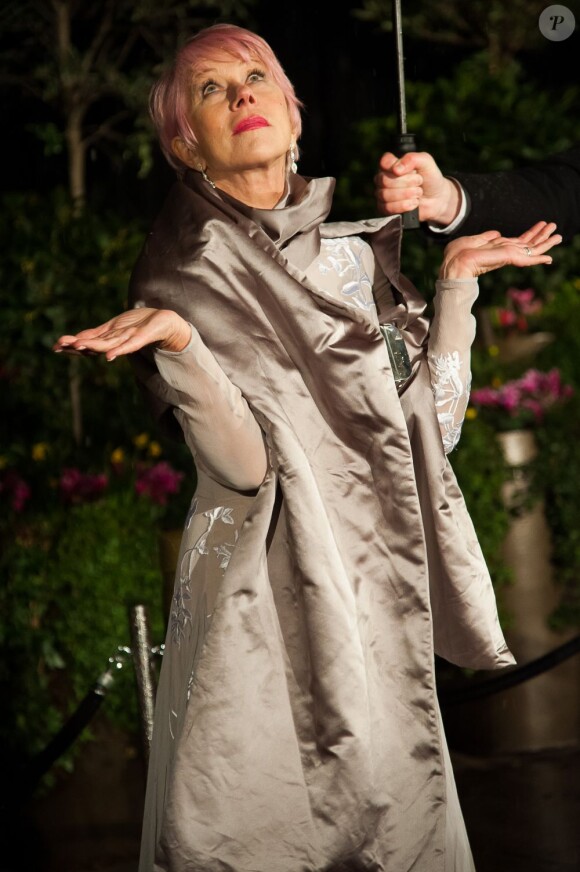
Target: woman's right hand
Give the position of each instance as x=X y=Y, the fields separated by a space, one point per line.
x=472 y=256
x=130 y=331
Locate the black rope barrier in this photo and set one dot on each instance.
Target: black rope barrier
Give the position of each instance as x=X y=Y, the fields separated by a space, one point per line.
x=31 y=773
x=509 y=677
x=28 y=775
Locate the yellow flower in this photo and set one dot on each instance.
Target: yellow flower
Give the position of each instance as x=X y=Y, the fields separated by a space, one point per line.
x=493 y=351
x=40 y=451
x=141 y=440
x=471 y=413
x=576 y=284
x=3 y=461
x=154 y=449
x=496 y=382
x=26 y=266
x=117 y=456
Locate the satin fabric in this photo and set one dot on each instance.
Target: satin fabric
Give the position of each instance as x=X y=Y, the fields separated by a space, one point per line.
x=298 y=727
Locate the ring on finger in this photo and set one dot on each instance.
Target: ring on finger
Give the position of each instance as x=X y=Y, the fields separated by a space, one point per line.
x=528 y=250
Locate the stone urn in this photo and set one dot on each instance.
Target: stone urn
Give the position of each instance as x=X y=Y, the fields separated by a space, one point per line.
x=543 y=712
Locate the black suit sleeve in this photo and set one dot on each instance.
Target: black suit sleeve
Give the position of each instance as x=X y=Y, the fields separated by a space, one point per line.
x=512 y=201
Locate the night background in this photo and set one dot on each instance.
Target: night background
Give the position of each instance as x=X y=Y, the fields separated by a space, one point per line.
x=87 y=486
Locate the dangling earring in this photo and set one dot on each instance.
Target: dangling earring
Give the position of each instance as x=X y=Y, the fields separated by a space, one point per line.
x=293 y=164
x=205 y=175
x=207 y=178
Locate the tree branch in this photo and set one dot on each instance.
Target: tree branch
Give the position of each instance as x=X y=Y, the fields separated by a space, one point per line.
x=62 y=33
x=105 y=130
x=100 y=36
x=122 y=54
x=22 y=81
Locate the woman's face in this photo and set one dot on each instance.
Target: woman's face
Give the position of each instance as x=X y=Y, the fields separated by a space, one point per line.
x=240 y=118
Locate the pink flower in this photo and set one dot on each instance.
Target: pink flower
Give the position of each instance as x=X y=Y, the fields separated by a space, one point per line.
x=531 y=381
x=506 y=318
x=554 y=386
x=509 y=397
x=535 y=392
x=535 y=407
x=157 y=482
x=484 y=397
x=14 y=486
x=524 y=301
x=81 y=487
x=520 y=298
x=521 y=324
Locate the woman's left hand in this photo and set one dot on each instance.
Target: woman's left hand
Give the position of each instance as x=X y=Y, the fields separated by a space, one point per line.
x=472 y=256
x=128 y=332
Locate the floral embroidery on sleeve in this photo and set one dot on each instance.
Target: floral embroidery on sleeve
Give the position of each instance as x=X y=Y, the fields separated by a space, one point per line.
x=218 y=514
x=451 y=391
x=181 y=614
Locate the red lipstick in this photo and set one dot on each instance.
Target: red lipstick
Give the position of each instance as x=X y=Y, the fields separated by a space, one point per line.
x=253 y=122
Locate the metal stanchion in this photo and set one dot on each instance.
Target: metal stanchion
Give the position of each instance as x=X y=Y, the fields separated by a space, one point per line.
x=141 y=648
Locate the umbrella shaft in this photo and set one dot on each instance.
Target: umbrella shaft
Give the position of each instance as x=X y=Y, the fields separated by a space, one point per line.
x=398 y=30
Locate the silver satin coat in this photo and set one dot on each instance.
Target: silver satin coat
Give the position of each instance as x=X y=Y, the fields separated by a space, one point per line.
x=297 y=729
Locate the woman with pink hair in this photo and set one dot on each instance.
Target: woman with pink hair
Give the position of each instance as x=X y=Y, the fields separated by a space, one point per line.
x=328 y=553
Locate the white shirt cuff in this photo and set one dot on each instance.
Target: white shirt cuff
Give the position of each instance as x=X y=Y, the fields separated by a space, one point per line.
x=434 y=228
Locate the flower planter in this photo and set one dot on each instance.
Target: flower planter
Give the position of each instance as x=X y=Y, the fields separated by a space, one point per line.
x=522 y=347
x=543 y=712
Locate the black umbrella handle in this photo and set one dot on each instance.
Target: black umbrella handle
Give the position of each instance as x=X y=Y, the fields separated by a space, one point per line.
x=405 y=143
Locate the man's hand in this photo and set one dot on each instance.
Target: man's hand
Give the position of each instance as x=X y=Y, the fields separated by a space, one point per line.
x=415 y=181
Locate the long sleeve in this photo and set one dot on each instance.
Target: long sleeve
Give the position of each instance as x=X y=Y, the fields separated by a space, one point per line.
x=449 y=354
x=512 y=201
x=217 y=422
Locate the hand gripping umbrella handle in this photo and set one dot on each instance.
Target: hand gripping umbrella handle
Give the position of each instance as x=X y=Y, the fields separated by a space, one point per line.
x=405 y=142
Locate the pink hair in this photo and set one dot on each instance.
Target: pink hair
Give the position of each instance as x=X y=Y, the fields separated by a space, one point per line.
x=170 y=97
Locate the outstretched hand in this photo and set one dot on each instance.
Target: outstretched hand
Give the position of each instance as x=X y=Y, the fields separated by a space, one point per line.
x=129 y=332
x=472 y=256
